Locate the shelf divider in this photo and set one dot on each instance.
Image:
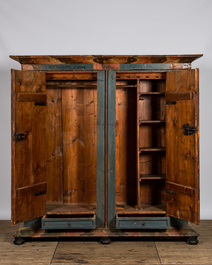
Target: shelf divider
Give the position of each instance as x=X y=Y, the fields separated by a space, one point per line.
x=147 y=149
x=152 y=176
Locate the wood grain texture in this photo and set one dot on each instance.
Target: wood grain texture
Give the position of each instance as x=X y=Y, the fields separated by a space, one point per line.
x=79 y=108
x=182 y=151
x=152 y=140
x=126 y=150
x=105 y=59
x=28 y=156
x=54 y=145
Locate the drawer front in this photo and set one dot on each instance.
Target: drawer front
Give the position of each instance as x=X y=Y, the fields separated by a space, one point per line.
x=142 y=223
x=68 y=223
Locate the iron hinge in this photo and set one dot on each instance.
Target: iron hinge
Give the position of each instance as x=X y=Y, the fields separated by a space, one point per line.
x=171 y=102
x=189 y=130
x=42 y=103
x=40 y=193
x=18 y=137
x=171 y=192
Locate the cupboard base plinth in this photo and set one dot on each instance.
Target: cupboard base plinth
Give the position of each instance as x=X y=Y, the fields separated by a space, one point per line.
x=184 y=232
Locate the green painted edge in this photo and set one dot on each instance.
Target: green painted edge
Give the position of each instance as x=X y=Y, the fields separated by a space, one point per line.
x=111 y=146
x=100 y=148
x=155 y=66
x=177 y=222
x=134 y=222
x=62 y=223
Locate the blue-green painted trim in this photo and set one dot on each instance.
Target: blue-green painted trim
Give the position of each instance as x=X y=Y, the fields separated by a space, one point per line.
x=66 y=67
x=177 y=222
x=142 y=222
x=69 y=223
x=111 y=146
x=151 y=66
x=33 y=222
x=100 y=178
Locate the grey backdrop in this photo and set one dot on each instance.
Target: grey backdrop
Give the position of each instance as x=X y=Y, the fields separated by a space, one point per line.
x=72 y=27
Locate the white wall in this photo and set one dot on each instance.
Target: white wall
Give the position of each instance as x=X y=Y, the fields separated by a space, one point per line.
x=72 y=27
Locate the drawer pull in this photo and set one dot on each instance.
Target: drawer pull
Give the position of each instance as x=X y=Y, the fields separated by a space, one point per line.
x=69 y=224
x=143 y=224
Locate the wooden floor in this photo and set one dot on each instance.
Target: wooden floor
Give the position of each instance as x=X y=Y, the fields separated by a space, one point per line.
x=90 y=251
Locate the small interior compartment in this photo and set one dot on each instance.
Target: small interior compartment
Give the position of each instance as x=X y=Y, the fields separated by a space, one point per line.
x=71 y=132
x=126 y=102
x=140 y=146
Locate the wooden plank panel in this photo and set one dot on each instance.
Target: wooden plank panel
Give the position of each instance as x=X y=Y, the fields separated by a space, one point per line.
x=105 y=59
x=71 y=76
x=32 y=189
x=54 y=149
x=181 y=153
x=28 y=156
x=79 y=108
x=180 y=95
x=31 y=97
x=111 y=146
x=100 y=194
x=126 y=149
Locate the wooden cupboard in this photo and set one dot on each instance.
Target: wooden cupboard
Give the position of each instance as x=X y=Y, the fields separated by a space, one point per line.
x=105 y=146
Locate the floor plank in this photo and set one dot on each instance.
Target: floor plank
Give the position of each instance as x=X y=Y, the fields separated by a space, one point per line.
x=118 y=252
x=123 y=252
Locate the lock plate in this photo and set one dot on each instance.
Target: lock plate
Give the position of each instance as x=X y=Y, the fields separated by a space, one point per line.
x=188 y=129
x=18 y=137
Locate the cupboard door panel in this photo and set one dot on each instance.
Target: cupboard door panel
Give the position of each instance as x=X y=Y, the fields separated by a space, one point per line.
x=182 y=167
x=28 y=145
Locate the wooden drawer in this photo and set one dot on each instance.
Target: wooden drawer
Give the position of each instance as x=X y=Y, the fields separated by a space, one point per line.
x=69 y=223
x=142 y=222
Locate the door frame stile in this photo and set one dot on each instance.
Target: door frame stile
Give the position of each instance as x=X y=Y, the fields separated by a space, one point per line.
x=111 y=146
x=100 y=174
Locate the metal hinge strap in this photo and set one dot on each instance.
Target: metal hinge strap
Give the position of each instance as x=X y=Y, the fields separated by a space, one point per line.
x=171 y=192
x=18 y=137
x=171 y=102
x=42 y=103
x=40 y=193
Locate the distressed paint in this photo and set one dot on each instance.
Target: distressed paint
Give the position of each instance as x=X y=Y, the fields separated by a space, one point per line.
x=105 y=59
x=66 y=67
x=183 y=232
x=142 y=222
x=100 y=147
x=177 y=222
x=149 y=66
x=69 y=223
x=111 y=146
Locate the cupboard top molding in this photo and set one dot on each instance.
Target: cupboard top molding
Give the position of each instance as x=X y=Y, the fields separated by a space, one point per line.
x=104 y=62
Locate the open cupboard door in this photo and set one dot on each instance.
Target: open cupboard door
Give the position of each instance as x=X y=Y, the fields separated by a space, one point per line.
x=28 y=145
x=182 y=146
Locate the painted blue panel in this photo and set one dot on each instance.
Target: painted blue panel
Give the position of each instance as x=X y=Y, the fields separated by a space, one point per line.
x=100 y=148
x=68 y=223
x=33 y=222
x=66 y=67
x=149 y=66
x=177 y=222
x=111 y=146
x=142 y=223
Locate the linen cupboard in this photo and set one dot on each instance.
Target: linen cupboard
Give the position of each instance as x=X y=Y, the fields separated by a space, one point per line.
x=105 y=146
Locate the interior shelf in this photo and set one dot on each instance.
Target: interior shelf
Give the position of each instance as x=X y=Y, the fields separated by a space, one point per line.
x=70 y=209
x=145 y=209
x=147 y=149
x=151 y=93
x=151 y=121
x=152 y=176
